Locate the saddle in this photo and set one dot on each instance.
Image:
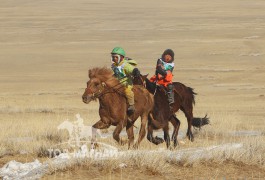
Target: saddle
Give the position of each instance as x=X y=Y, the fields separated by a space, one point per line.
x=165 y=90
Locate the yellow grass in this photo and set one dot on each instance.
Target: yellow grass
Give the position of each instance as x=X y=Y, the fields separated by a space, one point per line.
x=47 y=48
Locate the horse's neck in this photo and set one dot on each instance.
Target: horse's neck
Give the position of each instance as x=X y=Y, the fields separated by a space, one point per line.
x=150 y=86
x=111 y=98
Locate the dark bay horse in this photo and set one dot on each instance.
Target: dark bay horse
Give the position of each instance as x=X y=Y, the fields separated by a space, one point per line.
x=102 y=85
x=184 y=100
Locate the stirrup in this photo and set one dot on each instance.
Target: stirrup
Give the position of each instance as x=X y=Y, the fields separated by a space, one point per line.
x=130 y=109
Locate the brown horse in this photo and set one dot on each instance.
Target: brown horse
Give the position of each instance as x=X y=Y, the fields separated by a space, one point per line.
x=184 y=100
x=102 y=85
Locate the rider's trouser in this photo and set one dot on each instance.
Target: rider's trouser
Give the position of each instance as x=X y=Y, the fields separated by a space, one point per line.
x=129 y=94
x=170 y=93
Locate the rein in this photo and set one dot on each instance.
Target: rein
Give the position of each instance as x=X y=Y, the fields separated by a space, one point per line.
x=101 y=92
x=155 y=90
x=143 y=82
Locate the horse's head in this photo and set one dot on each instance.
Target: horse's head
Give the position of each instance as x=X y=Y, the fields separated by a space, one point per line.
x=144 y=81
x=101 y=82
x=140 y=80
x=98 y=78
x=94 y=88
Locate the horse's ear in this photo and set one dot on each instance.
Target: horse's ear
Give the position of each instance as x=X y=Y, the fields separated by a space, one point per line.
x=89 y=73
x=145 y=76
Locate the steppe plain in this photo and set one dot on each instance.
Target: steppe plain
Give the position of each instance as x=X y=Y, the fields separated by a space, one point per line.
x=47 y=47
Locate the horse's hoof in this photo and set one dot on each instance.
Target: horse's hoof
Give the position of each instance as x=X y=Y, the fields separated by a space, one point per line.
x=159 y=140
x=168 y=144
x=176 y=144
x=190 y=136
x=123 y=142
x=171 y=148
x=135 y=146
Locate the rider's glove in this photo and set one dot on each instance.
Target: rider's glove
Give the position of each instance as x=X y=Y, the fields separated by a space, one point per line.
x=116 y=72
x=136 y=72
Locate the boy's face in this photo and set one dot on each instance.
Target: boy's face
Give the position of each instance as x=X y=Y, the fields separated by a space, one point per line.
x=167 y=58
x=116 y=58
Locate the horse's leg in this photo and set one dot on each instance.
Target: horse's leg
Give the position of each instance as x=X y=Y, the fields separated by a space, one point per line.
x=166 y=136
x=142 y=131
x=117 y=131
x=100 y=125
x=189 y=115
x=150 y=133
x=155 y=140
x=129 y=130
x=176 y=123
x=150 y=136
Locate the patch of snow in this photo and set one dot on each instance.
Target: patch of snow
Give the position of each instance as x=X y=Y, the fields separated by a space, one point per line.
x=35 y=170
x=16 y=170
x=194 y=154
x=252 y=54
x=252 y=37
x=246 y=133
x=122 y=165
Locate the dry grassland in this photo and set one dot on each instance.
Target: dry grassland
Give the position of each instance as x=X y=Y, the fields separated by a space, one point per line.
x=46 y=48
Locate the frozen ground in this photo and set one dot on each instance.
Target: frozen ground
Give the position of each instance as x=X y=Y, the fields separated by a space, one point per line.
x=35 y=170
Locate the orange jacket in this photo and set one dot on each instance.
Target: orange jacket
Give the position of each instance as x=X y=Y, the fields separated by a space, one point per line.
x=162 y=80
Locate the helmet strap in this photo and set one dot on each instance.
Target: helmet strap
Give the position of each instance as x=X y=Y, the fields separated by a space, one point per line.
x=119 y=59
x=118 y=56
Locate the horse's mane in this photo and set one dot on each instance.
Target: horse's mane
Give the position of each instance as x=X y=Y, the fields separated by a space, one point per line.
x=105 y=75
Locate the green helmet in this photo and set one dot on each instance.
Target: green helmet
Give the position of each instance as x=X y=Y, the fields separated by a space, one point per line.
x=118 y=50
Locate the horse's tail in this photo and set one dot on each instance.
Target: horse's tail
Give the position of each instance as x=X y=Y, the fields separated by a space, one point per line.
x=191 y=91
x=199 y=122
x=157 y=124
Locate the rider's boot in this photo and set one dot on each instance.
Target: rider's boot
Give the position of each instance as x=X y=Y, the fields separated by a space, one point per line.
x=131 y=109
x=170 y=95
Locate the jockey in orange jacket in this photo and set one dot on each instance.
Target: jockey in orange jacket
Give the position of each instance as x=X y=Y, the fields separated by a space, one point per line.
x=163 y=75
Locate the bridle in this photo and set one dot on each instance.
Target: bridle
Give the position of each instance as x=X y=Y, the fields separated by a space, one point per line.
x=102 y=90
x=99 y=91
